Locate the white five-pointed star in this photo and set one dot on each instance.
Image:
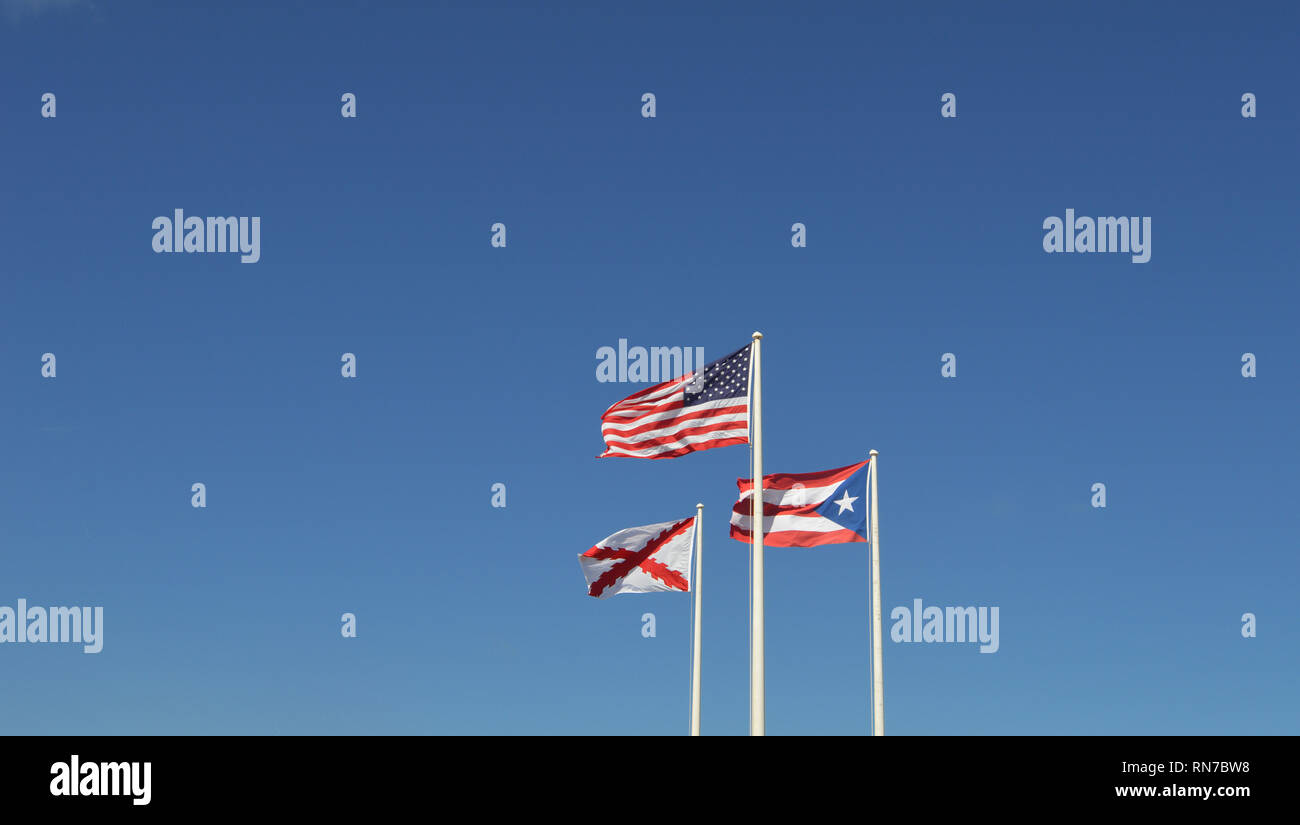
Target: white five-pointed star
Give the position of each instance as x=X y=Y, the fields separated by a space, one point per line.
x=846 y=503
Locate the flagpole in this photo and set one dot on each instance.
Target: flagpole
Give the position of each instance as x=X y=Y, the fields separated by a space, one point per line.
x=877 y=676
x=757 y=691
x=695 y=649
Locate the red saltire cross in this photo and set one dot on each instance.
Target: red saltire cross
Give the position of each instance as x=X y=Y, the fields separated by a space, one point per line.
x=632 y=559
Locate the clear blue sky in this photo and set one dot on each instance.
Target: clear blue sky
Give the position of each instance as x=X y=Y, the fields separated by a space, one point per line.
x=477 y=365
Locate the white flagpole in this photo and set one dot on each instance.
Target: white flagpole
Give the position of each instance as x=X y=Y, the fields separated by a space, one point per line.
x=877 y=676
x=695 y=650
x=757 y=692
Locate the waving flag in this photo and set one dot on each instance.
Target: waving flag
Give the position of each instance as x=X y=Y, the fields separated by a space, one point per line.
x=641 y=560
x=683 y=415
x=807 y=509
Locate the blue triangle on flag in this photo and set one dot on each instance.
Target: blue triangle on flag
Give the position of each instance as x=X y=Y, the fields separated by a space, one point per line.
x=847 y=505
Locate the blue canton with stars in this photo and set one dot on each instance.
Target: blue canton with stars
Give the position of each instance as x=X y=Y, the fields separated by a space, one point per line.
x=728 y=377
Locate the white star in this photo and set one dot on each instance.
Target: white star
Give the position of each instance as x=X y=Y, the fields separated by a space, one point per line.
x=845 y=503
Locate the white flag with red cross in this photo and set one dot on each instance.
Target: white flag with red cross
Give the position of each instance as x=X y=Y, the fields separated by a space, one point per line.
x=641 y=560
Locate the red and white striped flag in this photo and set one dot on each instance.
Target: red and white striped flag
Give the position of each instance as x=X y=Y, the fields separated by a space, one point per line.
x=641 y=560
x=683 y=415
x=806 y=509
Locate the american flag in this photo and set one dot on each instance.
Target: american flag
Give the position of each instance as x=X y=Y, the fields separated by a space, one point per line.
x=683 y=415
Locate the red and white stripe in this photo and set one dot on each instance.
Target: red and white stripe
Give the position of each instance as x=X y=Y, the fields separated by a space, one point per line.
x=790 y=502
x=655 y=423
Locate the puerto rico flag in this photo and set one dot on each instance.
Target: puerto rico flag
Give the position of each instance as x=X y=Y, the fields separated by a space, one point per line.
x=806 y=509
x=641 y=560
